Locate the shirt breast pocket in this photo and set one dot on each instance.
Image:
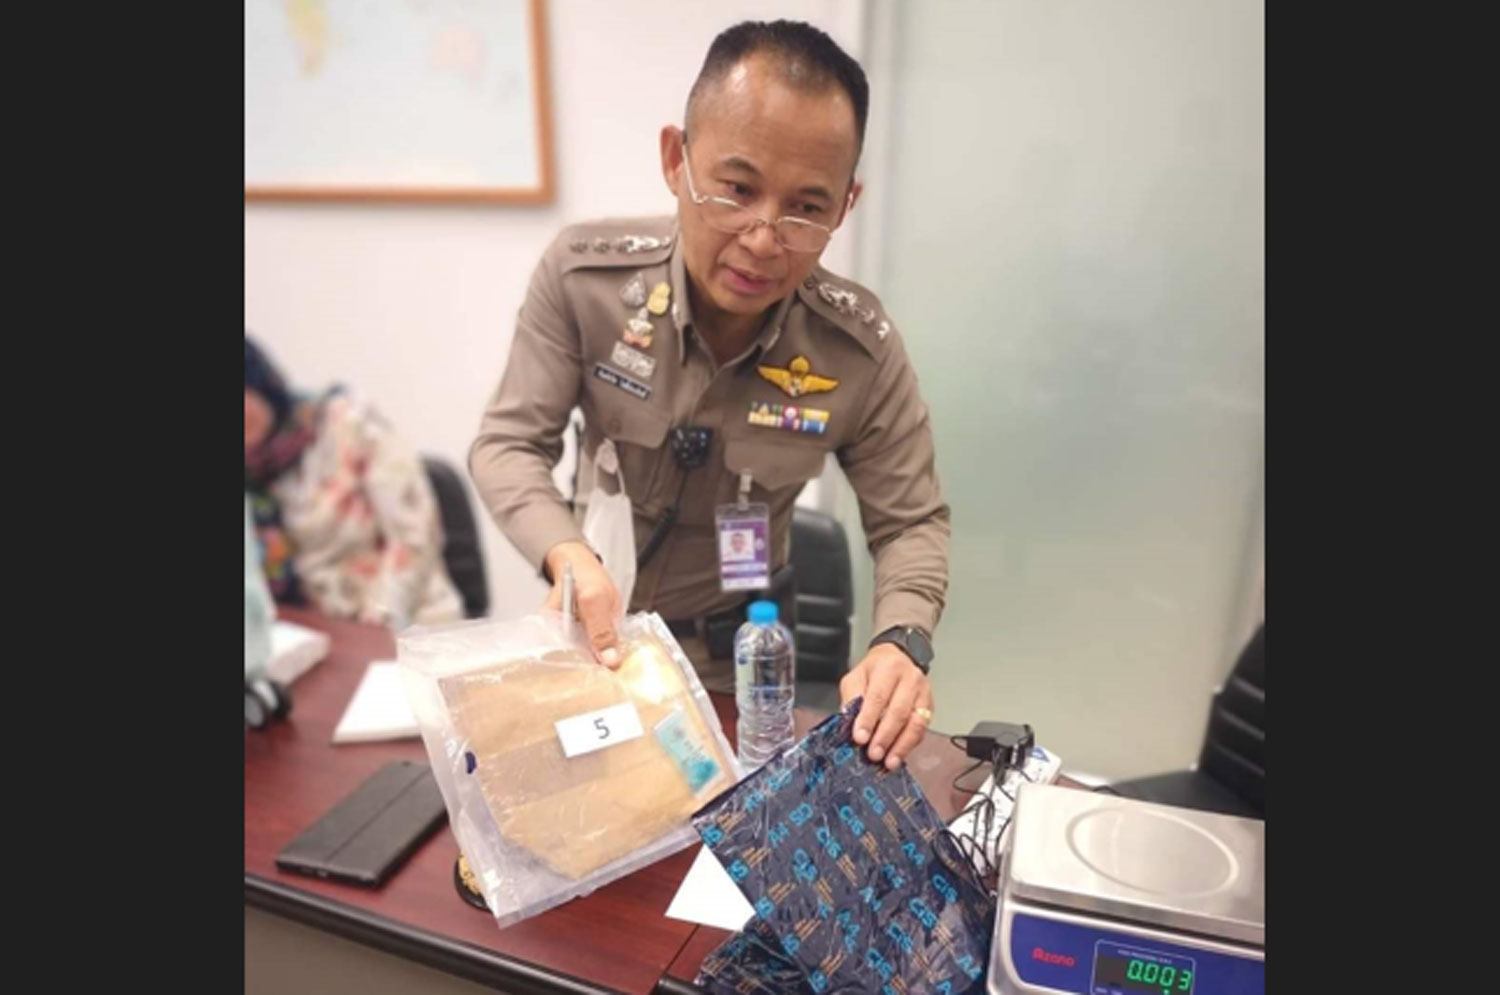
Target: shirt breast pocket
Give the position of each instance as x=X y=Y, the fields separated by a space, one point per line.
x=776 y=466
x=639 y=432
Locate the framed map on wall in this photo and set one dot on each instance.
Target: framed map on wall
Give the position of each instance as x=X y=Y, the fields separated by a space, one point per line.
x=397 y=100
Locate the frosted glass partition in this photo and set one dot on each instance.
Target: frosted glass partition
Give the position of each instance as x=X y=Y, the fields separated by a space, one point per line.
x=1071 y=239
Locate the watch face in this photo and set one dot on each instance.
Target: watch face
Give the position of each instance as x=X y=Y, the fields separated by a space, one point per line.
x=913 y=641
x=920 y=647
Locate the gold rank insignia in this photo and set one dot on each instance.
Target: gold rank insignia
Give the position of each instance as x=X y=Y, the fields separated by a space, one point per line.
x=660 y=296
x=797 y=379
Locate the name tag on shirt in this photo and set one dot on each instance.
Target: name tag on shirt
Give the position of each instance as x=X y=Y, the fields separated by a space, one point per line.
x=628 y=384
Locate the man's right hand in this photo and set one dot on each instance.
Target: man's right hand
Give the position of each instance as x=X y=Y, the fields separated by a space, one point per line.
x=595 y=600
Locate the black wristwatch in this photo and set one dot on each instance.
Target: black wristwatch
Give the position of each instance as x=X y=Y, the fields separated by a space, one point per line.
x=912 y=641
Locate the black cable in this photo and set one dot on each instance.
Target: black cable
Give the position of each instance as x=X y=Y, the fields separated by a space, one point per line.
x=964 y=866
x=972 y=846
x=690 y=445
x=663 y=526
x=577 y=463
x=975 y=863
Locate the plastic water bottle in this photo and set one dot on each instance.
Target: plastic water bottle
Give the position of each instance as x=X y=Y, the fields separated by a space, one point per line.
x=765 y=684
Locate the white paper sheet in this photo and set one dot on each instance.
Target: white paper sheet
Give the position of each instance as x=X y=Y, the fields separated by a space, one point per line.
x=708 y=895
x=378 y=709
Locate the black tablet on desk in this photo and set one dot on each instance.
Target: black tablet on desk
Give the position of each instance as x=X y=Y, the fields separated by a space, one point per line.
x=370 y=833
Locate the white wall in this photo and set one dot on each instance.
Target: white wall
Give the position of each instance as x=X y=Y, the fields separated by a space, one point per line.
x=413 y=307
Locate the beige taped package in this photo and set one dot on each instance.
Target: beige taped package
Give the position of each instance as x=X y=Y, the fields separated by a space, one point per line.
x=578 y=814
x=539 y=827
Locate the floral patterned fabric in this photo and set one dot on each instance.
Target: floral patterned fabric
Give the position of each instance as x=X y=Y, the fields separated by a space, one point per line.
x=359 y=523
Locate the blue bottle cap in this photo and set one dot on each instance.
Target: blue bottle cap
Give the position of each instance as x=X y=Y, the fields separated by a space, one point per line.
x=763 y=612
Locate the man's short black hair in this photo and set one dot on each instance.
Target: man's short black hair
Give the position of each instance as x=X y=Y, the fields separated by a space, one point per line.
x=807 y=58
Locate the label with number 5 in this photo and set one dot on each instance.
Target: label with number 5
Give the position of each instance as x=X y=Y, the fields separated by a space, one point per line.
x=595 y=730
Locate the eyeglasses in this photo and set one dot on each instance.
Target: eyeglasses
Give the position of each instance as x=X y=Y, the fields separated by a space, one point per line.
x=734 y=218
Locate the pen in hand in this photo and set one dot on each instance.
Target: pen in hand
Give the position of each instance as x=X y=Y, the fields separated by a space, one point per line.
x=567 y=597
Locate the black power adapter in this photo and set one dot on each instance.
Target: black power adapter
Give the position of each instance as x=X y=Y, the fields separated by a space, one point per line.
x=1003 y=744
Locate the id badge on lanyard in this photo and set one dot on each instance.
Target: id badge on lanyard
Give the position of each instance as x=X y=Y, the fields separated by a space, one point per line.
x=744 y=531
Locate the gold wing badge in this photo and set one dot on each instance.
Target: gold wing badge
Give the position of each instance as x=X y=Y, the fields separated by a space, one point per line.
x=797 y=379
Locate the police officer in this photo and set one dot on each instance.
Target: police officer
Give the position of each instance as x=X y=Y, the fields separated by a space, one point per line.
x=722 y=362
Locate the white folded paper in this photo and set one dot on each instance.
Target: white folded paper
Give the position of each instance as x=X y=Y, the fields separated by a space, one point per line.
x=378 y=709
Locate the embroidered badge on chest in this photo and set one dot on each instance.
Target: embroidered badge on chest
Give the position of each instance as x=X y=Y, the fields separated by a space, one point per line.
x=797 y=378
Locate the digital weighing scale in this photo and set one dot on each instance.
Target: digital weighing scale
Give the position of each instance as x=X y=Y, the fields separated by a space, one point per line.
x=1102 y=895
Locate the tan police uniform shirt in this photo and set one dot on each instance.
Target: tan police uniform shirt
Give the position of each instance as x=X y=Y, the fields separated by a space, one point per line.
x=570 y=349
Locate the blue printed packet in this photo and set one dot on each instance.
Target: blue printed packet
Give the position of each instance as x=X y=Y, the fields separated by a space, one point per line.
x=850 y=872
x=751 y=963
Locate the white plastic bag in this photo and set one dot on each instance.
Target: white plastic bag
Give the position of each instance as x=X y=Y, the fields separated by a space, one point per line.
x=609 y=524
x=260 y=610
x=559 y=774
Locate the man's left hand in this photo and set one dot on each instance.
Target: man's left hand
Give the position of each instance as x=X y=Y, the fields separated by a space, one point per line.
x=898 y=703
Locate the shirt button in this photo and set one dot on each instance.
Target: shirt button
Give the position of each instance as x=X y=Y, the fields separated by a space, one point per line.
x=614 y=426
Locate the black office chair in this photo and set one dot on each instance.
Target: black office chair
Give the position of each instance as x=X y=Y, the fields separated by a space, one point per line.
x=1230 y=776
x=825 y=603
x=461 y=554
